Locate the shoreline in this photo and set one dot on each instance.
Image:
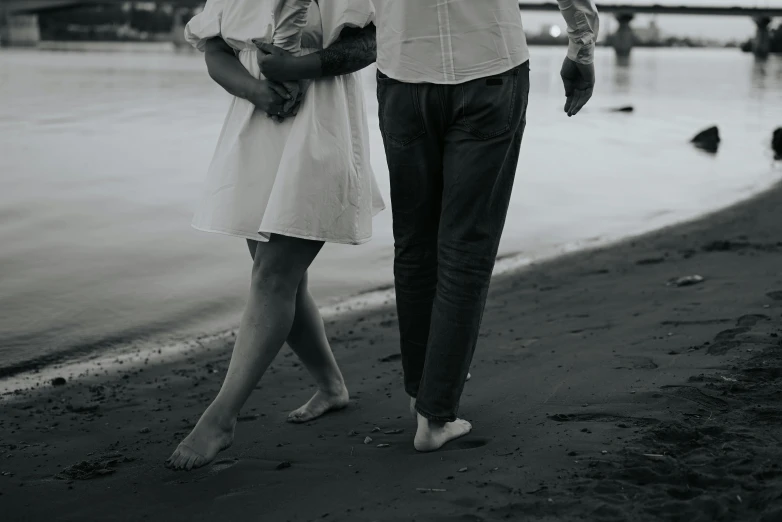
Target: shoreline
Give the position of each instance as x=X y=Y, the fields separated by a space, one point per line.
x=77 y=361
x=599 y=392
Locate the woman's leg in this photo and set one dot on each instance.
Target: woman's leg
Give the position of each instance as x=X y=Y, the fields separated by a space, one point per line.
x=278 y=269
x=309 y=341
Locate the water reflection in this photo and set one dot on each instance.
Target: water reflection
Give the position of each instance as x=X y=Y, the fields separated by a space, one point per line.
x=759 y=73
x=622 y=74
x=766 y=76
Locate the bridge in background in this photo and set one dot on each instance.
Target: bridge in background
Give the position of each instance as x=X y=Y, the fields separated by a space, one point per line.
x=624 y=37
x=19 y=18
x=19 y=21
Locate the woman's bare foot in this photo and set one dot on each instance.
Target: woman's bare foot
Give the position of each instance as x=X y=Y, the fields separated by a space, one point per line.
x=202 y=445
x=320 y=403
x=432 y=436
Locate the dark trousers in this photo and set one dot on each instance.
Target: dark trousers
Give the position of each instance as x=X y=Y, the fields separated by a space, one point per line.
x=452 y=152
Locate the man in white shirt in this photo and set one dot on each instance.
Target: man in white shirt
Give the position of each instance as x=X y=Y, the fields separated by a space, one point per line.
x=453 y=85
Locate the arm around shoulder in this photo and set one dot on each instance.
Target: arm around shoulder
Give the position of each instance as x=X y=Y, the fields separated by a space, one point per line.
x=355 y=49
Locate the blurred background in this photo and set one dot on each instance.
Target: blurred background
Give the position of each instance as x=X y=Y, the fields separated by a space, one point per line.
x=108 y=123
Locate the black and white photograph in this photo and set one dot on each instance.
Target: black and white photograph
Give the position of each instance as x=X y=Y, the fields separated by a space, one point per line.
x=391 y=260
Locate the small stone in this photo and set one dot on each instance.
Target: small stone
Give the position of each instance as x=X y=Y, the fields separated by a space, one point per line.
x=58 y=381
x=604 y=452
x=462 y=470
x=282 y=465
x=367 y=440
x=708 y=140
x=144 y=430
x=383 y=445
x=686 y=280
x=776 y=143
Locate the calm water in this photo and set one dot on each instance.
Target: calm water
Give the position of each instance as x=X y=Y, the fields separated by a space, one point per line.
x=102 y=155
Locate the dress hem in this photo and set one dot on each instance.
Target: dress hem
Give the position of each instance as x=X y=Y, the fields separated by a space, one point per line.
x=261 y=238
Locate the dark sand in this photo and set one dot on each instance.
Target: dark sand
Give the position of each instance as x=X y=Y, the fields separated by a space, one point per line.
x=598 y=393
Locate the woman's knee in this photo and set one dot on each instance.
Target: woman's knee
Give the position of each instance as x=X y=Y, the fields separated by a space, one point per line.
x=281 y=264
x=277 y=278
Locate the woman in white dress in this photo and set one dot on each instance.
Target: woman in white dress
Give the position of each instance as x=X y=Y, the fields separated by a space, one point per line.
x=287 y=178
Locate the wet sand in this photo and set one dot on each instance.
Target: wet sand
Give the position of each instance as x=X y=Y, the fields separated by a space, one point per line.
x=599 y=392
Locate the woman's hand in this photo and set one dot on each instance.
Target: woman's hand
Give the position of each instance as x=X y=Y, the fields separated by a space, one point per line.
x=269 y=97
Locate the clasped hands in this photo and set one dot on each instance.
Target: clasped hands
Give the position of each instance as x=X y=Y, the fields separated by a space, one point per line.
x=279 y=99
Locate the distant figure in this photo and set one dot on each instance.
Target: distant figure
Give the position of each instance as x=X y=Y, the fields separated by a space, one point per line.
x=285 y=185
x=453 y=85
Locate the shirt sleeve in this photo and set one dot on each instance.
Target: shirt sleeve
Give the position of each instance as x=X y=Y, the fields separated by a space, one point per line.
x=339 y=14
x=205 y=25
x=583 y=26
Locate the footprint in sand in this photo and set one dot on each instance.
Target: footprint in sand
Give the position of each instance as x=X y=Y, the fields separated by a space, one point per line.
x=603 y=417
x=465 y=444
x=751 y=319
x=726 y=340
x=632 y=362
x=222 y=465
x=692 y=394
x=776 y=295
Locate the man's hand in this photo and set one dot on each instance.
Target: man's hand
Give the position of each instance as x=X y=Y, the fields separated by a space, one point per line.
x=275 y=63
x=579 y=80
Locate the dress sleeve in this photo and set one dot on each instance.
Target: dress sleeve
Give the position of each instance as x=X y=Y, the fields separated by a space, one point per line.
x=290 y=19
x=583 y=25
x=338 y=14
x=205 y=25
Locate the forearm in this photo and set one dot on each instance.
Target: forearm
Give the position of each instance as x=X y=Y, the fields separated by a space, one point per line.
x=583 y=25
x=355 y=50
x=227 y=71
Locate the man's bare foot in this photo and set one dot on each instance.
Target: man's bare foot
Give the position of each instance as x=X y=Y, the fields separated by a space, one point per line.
x=432 y=435
x=319 y=404
x=202 y=445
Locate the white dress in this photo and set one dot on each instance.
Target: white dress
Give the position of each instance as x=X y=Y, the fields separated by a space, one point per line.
x=310 y=176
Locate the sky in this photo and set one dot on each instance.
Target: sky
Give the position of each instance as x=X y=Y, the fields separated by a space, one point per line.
x=717 y=27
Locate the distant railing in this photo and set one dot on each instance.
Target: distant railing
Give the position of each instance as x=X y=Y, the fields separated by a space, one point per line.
x=664 y=9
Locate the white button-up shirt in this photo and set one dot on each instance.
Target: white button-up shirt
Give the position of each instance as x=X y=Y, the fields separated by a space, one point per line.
x=455 y=41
